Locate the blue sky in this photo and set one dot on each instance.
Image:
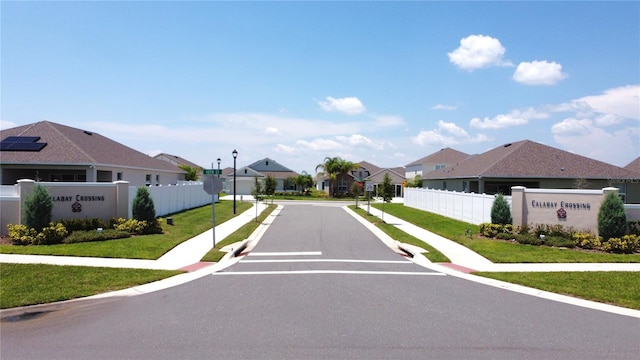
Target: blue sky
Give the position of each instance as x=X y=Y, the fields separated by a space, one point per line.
x=384 y=82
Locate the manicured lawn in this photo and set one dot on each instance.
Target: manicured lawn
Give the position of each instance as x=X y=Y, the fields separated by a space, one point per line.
x=214 y=255
x=496 y=250
x=430 y=253
x=29 y=284
x=617 y=288
x=187 y=224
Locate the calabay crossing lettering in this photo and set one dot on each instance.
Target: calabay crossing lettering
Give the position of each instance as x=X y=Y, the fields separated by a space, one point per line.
x=62 y=198
x=563 y=204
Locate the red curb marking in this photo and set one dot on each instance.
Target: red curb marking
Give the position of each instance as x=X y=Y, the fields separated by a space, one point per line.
x=196 y=266
x=463 y=269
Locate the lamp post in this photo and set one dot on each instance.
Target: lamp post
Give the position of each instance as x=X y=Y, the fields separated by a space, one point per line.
x=219 y=167
x=235 y=155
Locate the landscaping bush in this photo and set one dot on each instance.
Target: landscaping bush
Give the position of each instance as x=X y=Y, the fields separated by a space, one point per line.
x=633 y=227
x=93 y=235
x=612 y=220
x=628 y=244
x=551 y=230
x=559 y=241
x=528 y=239
x=21 y=234
x=53 y=234
x=491 y=230
x=84 y=224
x=586 y=240
x=505 y=236
x=142 y=206
x=37 y=208
x=501 y=211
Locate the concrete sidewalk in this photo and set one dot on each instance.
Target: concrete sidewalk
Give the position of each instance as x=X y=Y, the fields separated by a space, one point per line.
x=182 y=256
x=465 y=260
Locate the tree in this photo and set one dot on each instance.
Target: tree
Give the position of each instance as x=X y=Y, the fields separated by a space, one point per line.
x=303 y=181
x=270 y=184
x=612 y=220
x=256 y=191
x=192 y=172
x=387 y=189
x=417 y=181
x=142 y=206
x=501 y=211
x=37 y=208
x=329 y=168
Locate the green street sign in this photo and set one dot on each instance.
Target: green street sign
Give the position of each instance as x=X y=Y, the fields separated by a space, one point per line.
x=212 y=172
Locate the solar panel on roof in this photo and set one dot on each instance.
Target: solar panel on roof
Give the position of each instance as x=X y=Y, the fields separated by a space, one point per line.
x=22 y=143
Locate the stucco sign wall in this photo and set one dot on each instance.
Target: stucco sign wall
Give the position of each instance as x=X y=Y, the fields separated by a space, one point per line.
x=577 y=209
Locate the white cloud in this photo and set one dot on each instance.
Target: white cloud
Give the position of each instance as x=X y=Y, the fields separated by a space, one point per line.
x=478 y=51
x=582 y=137
x=444 y=107
x=284 y=149
x=622 y=101
x=514 y=118
x=320 y=145
x=355 y=139
x=539 y=73
x=346 y=105
x=4 y=124
x=447 y=134
x=271 y=131
x=388 y=121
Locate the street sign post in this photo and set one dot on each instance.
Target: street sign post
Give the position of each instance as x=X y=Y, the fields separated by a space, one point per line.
x=212 y=186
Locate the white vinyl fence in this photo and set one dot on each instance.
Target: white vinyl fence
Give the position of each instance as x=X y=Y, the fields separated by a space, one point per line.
x=174 y=198
x=467 y=207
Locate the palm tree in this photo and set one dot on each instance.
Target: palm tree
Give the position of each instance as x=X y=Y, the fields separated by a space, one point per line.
x=334 y=168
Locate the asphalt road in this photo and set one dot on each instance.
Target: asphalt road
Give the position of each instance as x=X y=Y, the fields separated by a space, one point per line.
x=320 y=286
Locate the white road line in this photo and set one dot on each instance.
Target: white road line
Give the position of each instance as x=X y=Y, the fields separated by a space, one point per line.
x=328 y=260
x=306 y=272
x=289 y=253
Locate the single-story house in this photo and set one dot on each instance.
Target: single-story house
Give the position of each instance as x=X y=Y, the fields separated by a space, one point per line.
x=47 y=151
x=179 y=162
x=366 y=172
x=533 y=165
x=245 y=177
x=397 y=178
x=436 y=161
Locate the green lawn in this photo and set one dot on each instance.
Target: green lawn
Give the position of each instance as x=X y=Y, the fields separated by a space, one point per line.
x=187 y=224
x=29 y=284
x=499 y=251
x=617 y=288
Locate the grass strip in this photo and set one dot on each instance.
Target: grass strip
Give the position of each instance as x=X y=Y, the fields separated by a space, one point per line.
x=30 y=284
x=187 y=224
x=499 y=251
x=214 y=255
x=430 y=253
x=616 y=288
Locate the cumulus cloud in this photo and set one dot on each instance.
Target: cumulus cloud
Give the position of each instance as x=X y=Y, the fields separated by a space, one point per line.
x=444 y=107
x=4 y=124
x=621 y=101
x=271 y=131
x=572 y=127
x=346 y=105
x=539 y=73
x=388 y=121
x=478 y=51
x=319 y=145
x=514 y=118
x=446 y=134
x=284 y=149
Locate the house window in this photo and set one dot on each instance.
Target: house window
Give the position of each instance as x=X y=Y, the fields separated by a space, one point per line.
x=119 y=176
x=444 y=185
x=441 y=166
x=147 y=179
x=465 y=186
x=342 y=186
x=157 y=179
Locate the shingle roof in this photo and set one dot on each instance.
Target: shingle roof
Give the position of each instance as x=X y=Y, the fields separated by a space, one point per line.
x=178 y=159
x=444 y=156
x=396 y=177
x=68 y=146
x=369 y=166
x=634 y=166
x=269 y=165
x=528 y=159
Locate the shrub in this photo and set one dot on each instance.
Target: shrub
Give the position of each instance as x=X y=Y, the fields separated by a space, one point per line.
x=21 y=234
x=490 y=230
x=93 y=235
x=528 y=239
x=137 y=227
x=559 y=241
x=633 y=227
x=612 y=220
x=505 y=236
x=586 y=240
x=37 y=208
x=84 y=224
x=552 y=230
x=142 y=207
x=628 y=244
x=501 y=211
x=53 y=234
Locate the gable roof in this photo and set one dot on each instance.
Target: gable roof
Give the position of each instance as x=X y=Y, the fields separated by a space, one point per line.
x=444 y=156
x=396 y=177
x=71 y=146
x=269 y=165
x=634 y=166
x=370 y=167
x=529 y=159
x=176 y=159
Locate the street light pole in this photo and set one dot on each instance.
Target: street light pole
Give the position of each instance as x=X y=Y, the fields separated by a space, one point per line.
x=219 y=167
x=235 y=155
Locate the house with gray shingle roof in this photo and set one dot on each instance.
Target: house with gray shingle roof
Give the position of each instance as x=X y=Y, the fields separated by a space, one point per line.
x=245 y=176
x=634 y=166
x=47 y=151
x=533 y=165
x=438 y=160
